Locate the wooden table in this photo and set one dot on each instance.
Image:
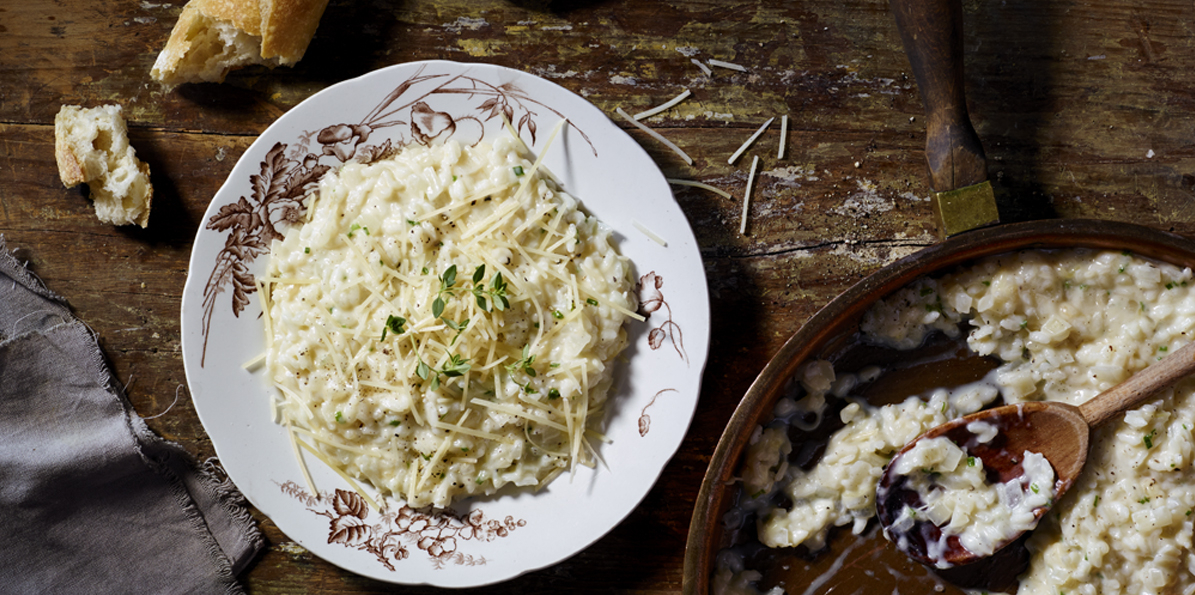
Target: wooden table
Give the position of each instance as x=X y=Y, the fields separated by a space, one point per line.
x=1086 y=109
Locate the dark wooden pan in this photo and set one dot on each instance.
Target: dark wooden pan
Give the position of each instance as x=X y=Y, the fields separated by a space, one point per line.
x=931 y=30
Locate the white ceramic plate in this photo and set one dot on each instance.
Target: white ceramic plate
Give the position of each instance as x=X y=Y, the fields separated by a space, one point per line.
x=479 y=541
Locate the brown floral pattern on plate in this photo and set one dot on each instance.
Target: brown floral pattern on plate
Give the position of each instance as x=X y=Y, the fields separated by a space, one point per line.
x=644 y=418
x=438 y=535
x=289 y=173
x=651 y=299
x=342 y=125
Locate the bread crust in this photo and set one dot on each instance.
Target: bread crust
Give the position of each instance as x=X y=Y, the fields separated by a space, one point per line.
x=243 y=14
x=70 y=170
x=287 y=27
x=212 y=37
x=143 y=218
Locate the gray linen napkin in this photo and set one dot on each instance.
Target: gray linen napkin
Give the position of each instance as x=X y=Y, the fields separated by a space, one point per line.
x=91 y=500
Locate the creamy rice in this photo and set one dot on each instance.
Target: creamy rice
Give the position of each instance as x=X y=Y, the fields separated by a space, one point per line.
x=445 y=323
x=956 y=496
x=841 y=488
x=1067 y=325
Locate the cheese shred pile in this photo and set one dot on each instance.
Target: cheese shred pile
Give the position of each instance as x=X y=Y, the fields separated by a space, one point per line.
x=445 y=322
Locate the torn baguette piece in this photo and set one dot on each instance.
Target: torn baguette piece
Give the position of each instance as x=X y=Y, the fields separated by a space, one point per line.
x=91 y=146
x=212 y=37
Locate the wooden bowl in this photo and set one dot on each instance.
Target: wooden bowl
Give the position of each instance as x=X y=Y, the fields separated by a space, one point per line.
x=825 y=336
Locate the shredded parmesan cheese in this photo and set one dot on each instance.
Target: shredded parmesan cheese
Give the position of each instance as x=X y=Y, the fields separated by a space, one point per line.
x=783 y=136
x=254 y=364
x=742 y=148
x=702 y=185
x=729 y=65
x=356 y=488
x=663 y=106
x=413 y=320
x=655 y=135
x=747 y=195
x=294 y=445
x=704 y=69
x=649 y=233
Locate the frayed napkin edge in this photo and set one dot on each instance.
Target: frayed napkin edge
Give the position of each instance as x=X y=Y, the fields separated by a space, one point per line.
x=221 y=487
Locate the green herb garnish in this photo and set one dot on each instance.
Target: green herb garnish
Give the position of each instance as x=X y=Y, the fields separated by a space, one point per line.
x=447 y=280
x=455 y=367
x=459 y=327
x=394 y=325
x=524 y=363
x=496 y=294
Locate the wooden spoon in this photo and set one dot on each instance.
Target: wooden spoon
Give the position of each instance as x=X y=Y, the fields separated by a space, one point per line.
x=1060 y=432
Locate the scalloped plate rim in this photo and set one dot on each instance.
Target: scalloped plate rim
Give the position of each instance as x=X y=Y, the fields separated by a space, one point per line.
x=675 y=421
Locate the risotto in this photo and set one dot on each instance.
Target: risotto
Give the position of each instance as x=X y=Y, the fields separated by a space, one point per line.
x=956 y=496
x=445 y=323
x=1067 y=325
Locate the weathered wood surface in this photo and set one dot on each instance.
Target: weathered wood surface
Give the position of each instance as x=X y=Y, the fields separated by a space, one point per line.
x=1087 y=109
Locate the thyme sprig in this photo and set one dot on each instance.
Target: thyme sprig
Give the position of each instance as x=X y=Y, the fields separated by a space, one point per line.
x=447 y=281
x=456 y=366
x=496 y=294
x=524 y=363
x=459 y=327
x=394 y=325
x=491 y=298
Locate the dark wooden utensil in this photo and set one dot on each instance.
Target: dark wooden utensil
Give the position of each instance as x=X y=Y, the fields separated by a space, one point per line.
x=932 y=33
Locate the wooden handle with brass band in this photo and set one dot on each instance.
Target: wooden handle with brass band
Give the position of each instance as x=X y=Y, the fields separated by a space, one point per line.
x=932 y=33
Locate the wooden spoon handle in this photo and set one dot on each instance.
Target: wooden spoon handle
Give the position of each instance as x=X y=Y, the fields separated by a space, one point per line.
x=1140 y=386
x=932 y=32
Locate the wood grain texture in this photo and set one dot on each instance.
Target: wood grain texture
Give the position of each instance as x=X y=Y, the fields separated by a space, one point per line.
x=1086 y=109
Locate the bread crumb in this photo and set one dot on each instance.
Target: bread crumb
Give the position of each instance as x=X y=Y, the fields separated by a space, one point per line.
x=92 y=147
